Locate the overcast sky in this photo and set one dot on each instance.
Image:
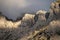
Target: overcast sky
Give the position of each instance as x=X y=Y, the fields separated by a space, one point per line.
x=15 y=8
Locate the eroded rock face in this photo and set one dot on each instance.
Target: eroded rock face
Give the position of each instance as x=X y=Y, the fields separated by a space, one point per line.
x=10 y=30
x=40 y=19
x=56 y=8
x=41 y=26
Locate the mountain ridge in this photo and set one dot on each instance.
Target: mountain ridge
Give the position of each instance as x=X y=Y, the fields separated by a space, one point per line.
x=40 y=26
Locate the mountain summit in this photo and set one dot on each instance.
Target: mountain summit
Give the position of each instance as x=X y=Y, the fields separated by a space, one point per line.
x=44 y=25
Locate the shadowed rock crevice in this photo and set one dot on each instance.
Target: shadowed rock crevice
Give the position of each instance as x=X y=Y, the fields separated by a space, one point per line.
x=40 y=26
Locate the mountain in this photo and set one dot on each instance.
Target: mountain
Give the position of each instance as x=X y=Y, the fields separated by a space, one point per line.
x=44 y=25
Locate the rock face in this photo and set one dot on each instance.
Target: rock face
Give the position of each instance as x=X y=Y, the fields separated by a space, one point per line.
x=40 y=26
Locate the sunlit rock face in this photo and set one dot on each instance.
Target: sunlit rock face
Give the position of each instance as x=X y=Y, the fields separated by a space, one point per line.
x=14 y=28
x=56 y=8
x=7 y=23
x=40 y=17
x=8 y=26
x=32 y=25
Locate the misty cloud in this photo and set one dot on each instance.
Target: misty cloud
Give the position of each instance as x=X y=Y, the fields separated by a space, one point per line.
x=14 y=8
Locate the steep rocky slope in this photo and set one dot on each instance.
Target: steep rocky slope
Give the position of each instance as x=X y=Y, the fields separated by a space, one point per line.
x=40 y=26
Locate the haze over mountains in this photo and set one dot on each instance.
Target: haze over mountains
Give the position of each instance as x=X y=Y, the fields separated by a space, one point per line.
x=14 y=8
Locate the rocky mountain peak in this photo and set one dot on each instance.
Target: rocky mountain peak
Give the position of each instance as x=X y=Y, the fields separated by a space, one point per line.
x=44 y=25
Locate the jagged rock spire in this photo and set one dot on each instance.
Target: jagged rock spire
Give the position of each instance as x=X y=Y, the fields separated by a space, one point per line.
x=31 y=24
